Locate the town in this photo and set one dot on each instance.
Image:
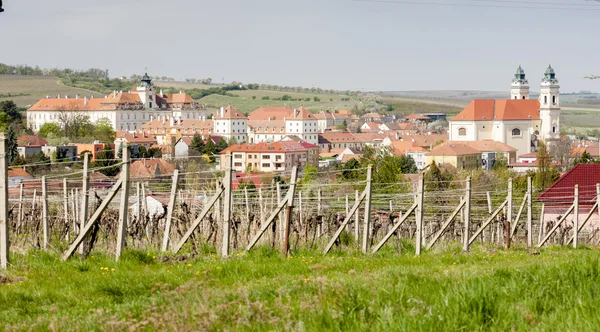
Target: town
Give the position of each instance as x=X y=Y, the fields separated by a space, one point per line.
x=271 y=139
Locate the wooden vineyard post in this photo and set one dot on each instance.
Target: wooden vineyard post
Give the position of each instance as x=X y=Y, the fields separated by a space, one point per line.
x=247 y=205
x=319 y=225
x=509 y=212
x=300 y=214
x=93 y=219
x=138 y=212
x=367 y=217
x=45 y=212
x=419 y=215
x=228 y=206
x=171 y=208
x=291 y=195
x=356 y=219
x=576 y=217
x=467 y=216
x=123 y=213
x=275 y=213
x=4 y=239
x=529 y=213
x=20 y=217
x=282 y=217
x=66 y=204
x=85 y=199
x=542 y=232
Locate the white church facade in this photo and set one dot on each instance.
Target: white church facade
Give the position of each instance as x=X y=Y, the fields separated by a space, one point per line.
x=518 y=122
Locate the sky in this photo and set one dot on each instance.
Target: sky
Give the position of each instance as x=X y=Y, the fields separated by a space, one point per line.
x=332 y=44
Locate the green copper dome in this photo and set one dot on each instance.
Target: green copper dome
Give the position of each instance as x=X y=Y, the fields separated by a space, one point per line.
x=550 y=74
x=146 y=79
x=520 y=74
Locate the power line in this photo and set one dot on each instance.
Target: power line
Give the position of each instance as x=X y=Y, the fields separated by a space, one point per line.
x=540 y=3
x=473 y=5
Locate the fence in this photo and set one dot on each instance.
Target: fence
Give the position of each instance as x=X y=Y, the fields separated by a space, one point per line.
x=201 y=211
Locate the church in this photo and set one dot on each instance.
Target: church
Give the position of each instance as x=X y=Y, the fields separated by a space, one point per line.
x=518 y=122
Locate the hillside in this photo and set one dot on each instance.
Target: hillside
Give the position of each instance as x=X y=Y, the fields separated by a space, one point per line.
x=27 y=90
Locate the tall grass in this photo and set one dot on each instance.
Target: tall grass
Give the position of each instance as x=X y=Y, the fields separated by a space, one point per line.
x=487 y=289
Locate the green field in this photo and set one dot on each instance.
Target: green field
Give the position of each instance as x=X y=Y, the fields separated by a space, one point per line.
x=487 y=289
x=30 y=89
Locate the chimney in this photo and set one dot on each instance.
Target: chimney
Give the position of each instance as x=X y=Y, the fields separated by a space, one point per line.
x=66 y=96
x=58 y=97
x=179 y=119
x=180 y=92
x=203 y=117
x=222 y=112
x=162 y=94
x=114 y=93
x=85 y=101
x=77 y=96
x=164 y=119
x=151 y=117
x=171 y=121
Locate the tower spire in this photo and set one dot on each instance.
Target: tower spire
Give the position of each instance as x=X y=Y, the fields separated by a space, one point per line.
x=519 y=87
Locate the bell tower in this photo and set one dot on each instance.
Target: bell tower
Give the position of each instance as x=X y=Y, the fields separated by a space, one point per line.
x=146 y=91
x=519 y=88
x=550 y=105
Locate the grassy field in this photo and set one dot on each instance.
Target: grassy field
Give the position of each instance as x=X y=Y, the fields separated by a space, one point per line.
x=31 y=89
x=487 y=289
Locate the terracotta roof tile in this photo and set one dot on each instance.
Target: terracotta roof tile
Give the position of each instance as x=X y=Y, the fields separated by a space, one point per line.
x=490 y=109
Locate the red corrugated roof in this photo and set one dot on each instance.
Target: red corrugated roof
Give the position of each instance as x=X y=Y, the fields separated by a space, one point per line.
x=562 y=191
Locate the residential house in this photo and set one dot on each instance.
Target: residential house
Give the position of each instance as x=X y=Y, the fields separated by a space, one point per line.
x=560 y=195
x=167 y=131
x=65 y=152
x=150 y=169
x=267 y=157
x=93 y=148
x=230 y=123
x=16 y=176
x=458 y=155
x=491 y=151
x=370 y=127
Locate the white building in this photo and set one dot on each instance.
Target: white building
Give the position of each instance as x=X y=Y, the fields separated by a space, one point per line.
x=271 y=124
x=518 y=122
x=230 y=123
x=125 y=111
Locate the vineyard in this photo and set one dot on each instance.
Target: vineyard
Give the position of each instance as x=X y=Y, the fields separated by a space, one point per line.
x=196 y=213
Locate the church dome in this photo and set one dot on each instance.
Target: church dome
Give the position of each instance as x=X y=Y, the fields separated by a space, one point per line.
x=549 y=74
x=520 y=74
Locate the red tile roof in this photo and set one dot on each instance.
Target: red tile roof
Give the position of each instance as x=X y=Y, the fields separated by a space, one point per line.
x=149 y=168
x=270 y=112
x=454 y=149
x=230 y=112
x=31 y=140
x=490 y=109
x=561 y=191
x=18 y=172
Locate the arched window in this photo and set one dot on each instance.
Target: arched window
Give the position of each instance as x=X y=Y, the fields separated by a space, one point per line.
x=545 y=99
x=553 y=100
x=516 y=132
x=523 y=97
x=515 y=97
x=554 y=129
x=462 y=132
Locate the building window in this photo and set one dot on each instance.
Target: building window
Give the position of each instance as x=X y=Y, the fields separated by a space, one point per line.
x=553 y=129
x=266 y=156
x=554 y=100
x=237 y=164
x=523 y=97
x=545 y=99
x=462 y=132
x=266 y=165
x=516 y=132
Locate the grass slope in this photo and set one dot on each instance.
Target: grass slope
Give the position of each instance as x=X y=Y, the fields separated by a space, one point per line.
x=30 y=89
x=488 y=289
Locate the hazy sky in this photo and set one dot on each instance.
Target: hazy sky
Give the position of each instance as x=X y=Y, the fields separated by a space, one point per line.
x=340 y=44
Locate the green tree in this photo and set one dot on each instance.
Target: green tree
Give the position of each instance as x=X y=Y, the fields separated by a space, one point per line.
x=407 y=165
x=221 y=145
x=106 y=158
x=246 y=184
x=50 y=128
x=209 y=150
x=103 y=131
x=342 y=126
x=585 y=158
x=11 y=144
x=546 y=172
x=310 y=173
x=350 y=170
x=197 y=146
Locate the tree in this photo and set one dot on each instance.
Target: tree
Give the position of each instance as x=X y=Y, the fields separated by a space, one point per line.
x=561 y=152
x=246 y=184
x=310 y=173
x=50 y=128
x=104 y=131
x=546 y=172
x=407 y=165
x=585 y=158
x=74 y=124
x=350 y=170
x=221 y=145
x=106 y=158
x=209 y=150
x=196 y=146
x=342 y=126
x=233 y=141
x=11 y=144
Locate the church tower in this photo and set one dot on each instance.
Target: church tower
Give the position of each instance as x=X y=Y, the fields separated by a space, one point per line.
x=145 y=90
x=519 y=88
x=549 y=105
